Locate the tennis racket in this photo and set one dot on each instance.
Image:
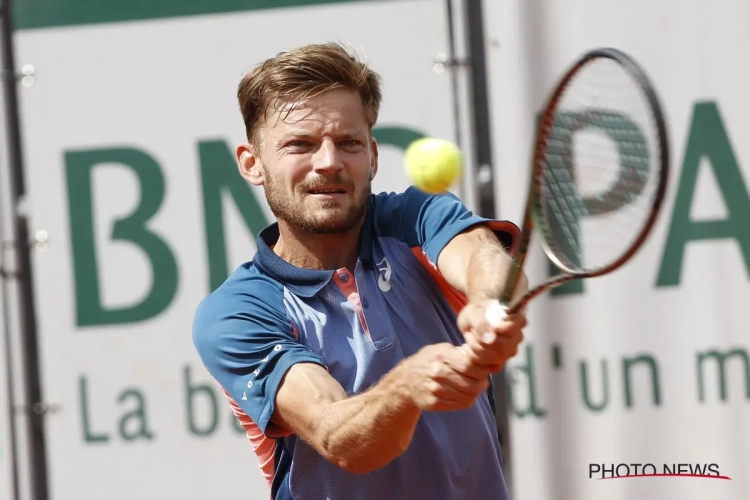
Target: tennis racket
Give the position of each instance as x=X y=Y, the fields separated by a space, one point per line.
x=599 y=173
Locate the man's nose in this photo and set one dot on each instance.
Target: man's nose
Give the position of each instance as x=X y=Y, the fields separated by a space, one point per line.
x=327 y=158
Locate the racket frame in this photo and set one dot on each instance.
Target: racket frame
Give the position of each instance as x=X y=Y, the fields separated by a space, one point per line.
x=533 y=211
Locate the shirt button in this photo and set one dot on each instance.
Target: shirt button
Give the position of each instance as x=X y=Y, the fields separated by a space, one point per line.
x=343 y=277
x=365 y=303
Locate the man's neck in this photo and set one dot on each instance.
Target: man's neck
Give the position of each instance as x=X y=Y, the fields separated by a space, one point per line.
x=318 y=251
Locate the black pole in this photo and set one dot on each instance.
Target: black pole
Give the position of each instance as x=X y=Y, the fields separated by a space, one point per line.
x=480 y=116
x=451 y=65
x=10 y=386
x=34 y=406
x=480 y=104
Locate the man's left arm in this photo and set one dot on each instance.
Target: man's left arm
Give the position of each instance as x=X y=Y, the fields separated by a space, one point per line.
x=475 y=263
x=470 y=252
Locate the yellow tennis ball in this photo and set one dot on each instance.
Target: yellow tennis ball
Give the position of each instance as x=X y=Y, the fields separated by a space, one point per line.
x=433 y=164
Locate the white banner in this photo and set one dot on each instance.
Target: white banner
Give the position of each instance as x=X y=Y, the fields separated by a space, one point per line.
x=647 y=370
x=129 y=134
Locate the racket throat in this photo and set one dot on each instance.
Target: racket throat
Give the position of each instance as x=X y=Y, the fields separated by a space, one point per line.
x=511 y=282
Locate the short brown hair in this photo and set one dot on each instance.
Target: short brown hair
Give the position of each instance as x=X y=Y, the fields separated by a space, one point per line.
x=302 y=73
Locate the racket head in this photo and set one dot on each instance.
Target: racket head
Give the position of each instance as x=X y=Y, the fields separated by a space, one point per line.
x=593 y=202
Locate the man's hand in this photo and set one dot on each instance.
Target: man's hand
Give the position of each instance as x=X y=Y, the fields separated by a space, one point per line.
x=442 y=377
x=490 y=346
x=364 y=432
x=476 y=264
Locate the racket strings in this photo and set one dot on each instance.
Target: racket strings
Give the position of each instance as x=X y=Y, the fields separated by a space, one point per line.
x=598 y=173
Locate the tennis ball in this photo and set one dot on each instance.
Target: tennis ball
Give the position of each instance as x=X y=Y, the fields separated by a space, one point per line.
x=433 y=164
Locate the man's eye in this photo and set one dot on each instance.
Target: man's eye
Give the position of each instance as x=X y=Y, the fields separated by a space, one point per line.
x=298 y=144
x=350 y=142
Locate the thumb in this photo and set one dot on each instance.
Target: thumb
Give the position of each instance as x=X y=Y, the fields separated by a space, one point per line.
x=474 y=318
x=471 y=318
x=464 y=321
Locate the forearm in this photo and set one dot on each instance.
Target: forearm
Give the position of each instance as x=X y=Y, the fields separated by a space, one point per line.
x=476 y=264
x=487 y=271
x=367 y=431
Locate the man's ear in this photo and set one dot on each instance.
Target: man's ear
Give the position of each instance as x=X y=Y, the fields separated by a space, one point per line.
x=251 y=168
x=374 y=159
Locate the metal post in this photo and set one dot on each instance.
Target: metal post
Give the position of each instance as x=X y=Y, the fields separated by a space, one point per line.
x=480 y=116
x=479 y=97
x=34 y=408
x=452 y=64
x=10 y=387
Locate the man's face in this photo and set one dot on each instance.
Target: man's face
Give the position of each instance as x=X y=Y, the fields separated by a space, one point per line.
x=316 y=163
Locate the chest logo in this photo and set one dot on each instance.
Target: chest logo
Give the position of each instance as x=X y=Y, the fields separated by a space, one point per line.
x=384 y=275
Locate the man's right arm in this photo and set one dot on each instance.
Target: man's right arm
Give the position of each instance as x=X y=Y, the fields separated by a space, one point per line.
x=359 y=434
x=364 y=432
x=247 y=343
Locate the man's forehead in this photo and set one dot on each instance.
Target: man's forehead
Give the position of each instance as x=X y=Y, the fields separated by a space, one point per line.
x=312 y=127
x=331 y=110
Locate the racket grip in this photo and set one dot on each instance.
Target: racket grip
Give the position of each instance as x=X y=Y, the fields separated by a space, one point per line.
x=495 y=313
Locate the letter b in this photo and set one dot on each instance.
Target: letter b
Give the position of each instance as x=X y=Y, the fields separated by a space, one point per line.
x=79 y=168
x=191 y=392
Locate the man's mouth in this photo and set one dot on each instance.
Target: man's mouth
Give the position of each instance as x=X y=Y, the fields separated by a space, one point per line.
x=327 y=190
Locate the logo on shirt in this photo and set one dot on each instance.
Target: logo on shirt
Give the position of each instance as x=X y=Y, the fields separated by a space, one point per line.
x=384 y=276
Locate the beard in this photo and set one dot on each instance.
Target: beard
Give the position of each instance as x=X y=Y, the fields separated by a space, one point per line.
x=329 y=216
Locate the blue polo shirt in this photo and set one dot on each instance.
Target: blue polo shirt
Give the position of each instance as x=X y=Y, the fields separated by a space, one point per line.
x=269 y=315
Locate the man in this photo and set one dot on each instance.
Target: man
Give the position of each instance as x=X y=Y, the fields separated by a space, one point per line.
x=354 y=347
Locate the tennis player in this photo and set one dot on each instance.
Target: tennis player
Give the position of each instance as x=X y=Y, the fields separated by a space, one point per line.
x=353 y=347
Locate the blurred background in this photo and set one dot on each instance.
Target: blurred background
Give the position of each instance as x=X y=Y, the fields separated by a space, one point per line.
x=121 y=208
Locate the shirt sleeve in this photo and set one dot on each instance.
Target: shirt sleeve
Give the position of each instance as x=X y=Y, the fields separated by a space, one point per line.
x=430 y=221
x=247 y=343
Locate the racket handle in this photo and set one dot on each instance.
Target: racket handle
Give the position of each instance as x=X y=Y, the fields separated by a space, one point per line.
x=495 y=313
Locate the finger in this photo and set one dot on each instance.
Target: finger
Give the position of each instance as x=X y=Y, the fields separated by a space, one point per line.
x=457 y=389
x=460 y=359
x=481 y=353
x=515 y=321
x=437 y=397
x=430 y=401
x=497 y=317
x=508 y=347
x=449 y=378
x=496 y=353
x=491 y=327
x=495 y=368
x=465 y=362
x=475 y=317
x=441 y=405
x=469 y=317
x=509 y=329
x=514 y=343
x=474 y=356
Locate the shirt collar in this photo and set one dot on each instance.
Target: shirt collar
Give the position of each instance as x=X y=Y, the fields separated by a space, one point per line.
x=304 y=282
